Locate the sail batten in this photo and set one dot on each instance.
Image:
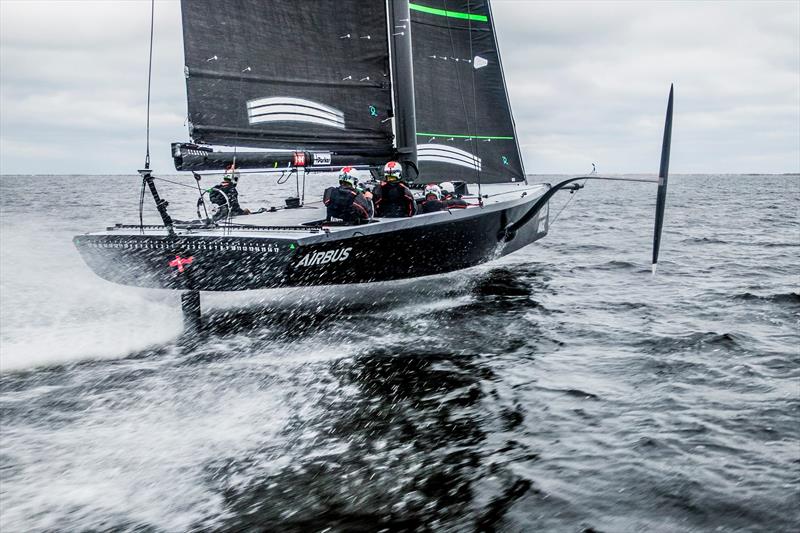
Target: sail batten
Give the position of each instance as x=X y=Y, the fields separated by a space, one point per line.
x=200 y=73
x=283 y=75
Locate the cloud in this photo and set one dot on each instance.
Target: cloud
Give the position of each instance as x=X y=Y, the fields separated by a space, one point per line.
x=588 y=83
x=74 y=79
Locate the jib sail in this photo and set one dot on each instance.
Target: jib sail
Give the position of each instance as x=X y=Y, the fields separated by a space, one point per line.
x=464 y=122
x=281 y=74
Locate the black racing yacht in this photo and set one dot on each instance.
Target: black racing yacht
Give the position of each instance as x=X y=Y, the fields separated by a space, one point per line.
x=308 y=87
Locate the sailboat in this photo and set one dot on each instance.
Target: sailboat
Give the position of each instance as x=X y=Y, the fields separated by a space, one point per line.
x=308 y=87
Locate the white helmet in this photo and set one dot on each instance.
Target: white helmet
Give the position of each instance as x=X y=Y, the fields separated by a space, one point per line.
x=448 y=187
x=231 y=174
x=393 y=170
x=434 y=190
x=348 y=175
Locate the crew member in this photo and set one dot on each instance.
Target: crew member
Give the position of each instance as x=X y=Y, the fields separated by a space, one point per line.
x=392 y=198
x=367 y=194
x=449 y=197
x=433 y=200
x=345 y=202
x=226 y=197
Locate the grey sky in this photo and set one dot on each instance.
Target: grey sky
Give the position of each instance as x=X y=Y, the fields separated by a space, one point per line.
x=588 y=83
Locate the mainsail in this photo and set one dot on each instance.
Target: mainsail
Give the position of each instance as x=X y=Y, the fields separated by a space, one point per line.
x=297 y=75
x=464 y=123
x=316 y=76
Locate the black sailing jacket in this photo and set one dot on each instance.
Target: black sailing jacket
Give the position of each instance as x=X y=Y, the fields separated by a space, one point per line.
x=393 y=200
x=218 y=195
x=347 y=204
x=431 y=206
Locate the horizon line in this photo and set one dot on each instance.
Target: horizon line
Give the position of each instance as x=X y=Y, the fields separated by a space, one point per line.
x=181 y=173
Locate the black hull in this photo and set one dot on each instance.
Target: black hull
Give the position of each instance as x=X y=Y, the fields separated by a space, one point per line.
x=406 y=248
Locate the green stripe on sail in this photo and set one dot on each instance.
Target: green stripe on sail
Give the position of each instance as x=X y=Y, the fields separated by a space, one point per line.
x=500 y=137
x=446 y=13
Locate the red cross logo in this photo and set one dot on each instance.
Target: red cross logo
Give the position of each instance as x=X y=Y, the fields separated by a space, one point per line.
x=180 y=262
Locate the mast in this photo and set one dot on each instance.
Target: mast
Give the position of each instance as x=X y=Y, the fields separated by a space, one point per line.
x=403 y=86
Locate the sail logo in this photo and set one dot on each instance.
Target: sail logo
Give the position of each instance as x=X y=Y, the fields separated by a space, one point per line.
x=285 y=109
x=448 y=154
x=322 y=158
x=323 y=258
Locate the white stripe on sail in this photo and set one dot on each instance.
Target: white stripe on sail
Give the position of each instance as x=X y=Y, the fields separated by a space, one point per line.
x=450 y=150
x=285 y=109
x=444 y=159
x=449 y=157
x=448 y=154
x=285 y=100
x=287 y=117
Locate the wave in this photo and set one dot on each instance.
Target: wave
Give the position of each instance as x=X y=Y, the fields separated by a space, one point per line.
x=589 y=247
x=704 y=240
x=787 y=298
x=780 y=245
x=697 y=340
x=503 y=282
x=612 y=265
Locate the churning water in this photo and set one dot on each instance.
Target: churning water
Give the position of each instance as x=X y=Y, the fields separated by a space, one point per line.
x=562 y=388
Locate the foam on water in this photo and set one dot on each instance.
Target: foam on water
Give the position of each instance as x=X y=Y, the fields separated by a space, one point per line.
x=53 y=313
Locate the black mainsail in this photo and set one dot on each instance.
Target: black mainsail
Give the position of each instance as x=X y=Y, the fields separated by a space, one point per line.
x=464 y=122
x=288 y=75
x=320 y=79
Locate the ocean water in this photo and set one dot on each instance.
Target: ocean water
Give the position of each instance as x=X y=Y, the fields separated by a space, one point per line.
x=562 y=388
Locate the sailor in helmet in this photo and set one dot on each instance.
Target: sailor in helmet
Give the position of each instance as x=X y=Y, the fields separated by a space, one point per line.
x=345 y=202
x=393 y=199
x=226 y=197
x=433 y=200
x=449 y=197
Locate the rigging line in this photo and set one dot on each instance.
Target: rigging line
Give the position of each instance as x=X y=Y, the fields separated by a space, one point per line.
x=303 y=197
x=566 y=204
x=149 y=79
x=284 y=177
x=173 y=182
x=474 y=100
x=141 y=207
x=461 y=89
x=241 y=91
x=197 y=178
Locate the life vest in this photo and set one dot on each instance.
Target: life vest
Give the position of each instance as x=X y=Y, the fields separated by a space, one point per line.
x=432 y=206
x=223 y=194
x=363 y=209
x=339 y=201
x=394 y=200
x=452 y=202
